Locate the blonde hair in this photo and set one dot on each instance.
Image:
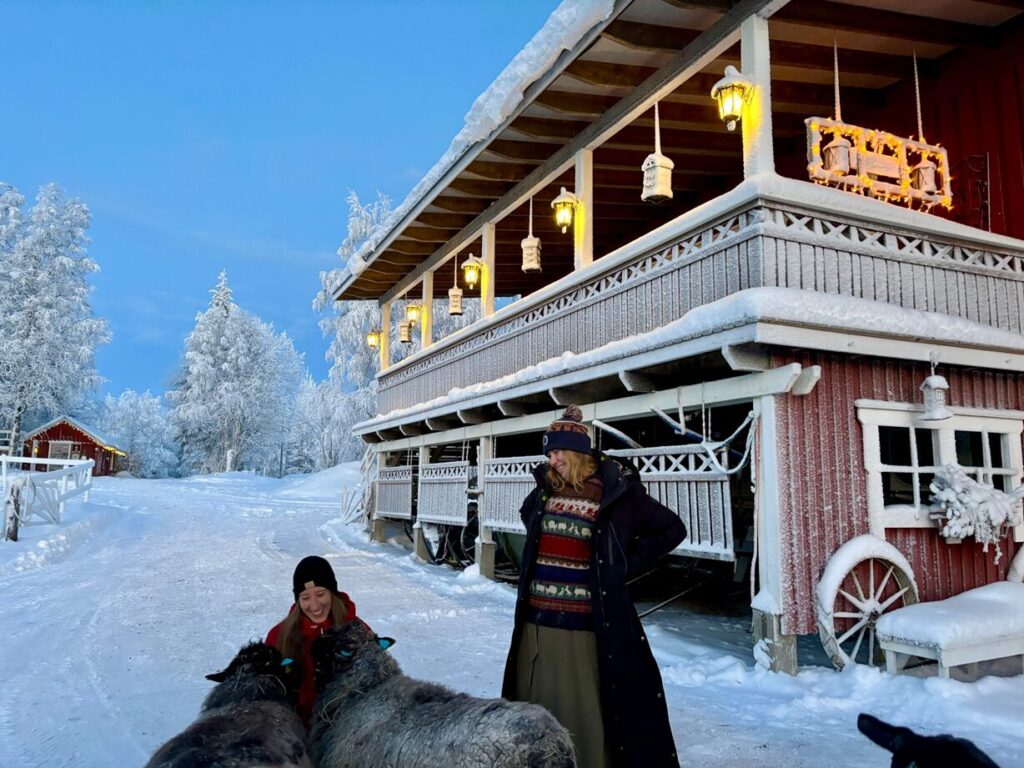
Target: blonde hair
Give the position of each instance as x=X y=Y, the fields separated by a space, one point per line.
x=580 y=467
x=289 y=640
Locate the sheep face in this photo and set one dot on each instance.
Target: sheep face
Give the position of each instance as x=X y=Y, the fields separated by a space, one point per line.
x=911 y=749
x=351 y=653
x=257 y=673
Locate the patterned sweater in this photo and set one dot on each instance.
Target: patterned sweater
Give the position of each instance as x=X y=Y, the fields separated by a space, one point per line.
x=560 y=591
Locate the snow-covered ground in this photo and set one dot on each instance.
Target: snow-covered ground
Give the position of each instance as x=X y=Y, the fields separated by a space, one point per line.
x=111 y=620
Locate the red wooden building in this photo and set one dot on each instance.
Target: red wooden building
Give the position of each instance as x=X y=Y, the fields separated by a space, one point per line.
x=67 y=438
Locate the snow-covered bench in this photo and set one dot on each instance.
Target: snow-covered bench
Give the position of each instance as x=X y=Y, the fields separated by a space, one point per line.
x=977 y=625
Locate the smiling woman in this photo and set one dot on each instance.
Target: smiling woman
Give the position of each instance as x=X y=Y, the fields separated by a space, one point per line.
x=318 y=607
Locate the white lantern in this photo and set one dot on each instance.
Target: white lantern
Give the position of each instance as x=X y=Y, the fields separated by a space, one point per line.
x=565 y=206
x=922 y=177
x=836 y=155
x=405 y=332
x=455 y=293
x=531 y=248
x=934 y=389
x=455 y=300
x=657 y=170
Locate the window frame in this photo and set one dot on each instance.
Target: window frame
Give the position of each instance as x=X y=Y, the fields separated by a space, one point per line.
x=873 y=414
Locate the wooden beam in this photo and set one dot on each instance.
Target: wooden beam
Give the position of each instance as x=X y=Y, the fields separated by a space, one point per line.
x=411 y=247
x=522 y=150
x=679 y=69
x=480 y=188
x=473 y=416
x=413 y=428
x=500 y=171
x=444 y=220
x=924 y=28
x=637 y=382
x=458 y=204
x=747 y=357
x=512 y=408
x=665 y=39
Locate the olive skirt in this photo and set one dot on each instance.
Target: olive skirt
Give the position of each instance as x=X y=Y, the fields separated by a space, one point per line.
x=557 y=668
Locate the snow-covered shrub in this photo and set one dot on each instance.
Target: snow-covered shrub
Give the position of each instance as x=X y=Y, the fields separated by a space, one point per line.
x=970 y=508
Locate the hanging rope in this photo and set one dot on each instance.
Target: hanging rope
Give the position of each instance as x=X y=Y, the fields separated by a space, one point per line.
x=657 y=131
x=531 y=217
x=917 y=98
x=838 y=109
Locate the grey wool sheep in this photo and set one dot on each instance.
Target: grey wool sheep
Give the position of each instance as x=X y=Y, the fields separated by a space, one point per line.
x=370 y=714
x=246 y=721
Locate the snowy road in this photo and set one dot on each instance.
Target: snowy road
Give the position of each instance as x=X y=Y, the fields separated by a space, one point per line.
x=111 y=620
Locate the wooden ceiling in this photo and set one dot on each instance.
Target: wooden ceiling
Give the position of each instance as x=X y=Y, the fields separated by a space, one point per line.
x=876 y=40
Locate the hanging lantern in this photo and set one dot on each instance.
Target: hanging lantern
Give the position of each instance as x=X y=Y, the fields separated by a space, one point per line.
x=934 y=389
x=657 y=170
x=405 y=332
x=836 y=155
x=455 y=293
x=531 y=248
x=922 y=177
x=564 y=206
x=471 y=268
x=412 y=313
x=373 y=339
x=730 y=92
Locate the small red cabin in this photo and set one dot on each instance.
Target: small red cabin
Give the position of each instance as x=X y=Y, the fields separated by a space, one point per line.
x=67 y=438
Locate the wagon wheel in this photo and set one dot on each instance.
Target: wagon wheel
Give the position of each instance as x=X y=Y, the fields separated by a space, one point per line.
x=864 y=579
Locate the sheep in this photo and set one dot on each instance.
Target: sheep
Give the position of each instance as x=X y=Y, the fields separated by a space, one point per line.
x=912 y=749
x=246 y=721
x=370 y=714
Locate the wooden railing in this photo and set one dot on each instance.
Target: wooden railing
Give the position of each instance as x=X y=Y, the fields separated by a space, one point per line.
x=394 y=493
x=702 y=258
x=442 y=493
x=41 y=487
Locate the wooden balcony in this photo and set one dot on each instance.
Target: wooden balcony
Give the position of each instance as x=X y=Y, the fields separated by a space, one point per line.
x=770 y=232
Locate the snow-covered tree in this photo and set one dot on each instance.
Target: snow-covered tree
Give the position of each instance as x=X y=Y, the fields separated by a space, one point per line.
x=354 y=365
x=47 y=329
x=235 y=389
x=139 y=424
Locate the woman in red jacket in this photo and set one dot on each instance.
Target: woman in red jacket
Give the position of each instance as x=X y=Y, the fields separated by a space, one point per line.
x=318 y=607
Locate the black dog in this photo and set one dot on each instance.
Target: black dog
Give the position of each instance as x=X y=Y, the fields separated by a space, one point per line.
x=246 y=720
x=911 y=750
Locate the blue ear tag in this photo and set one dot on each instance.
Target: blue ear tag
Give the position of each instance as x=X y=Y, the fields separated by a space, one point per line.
x=345 y=654
x=385 y=642
x=286 y=662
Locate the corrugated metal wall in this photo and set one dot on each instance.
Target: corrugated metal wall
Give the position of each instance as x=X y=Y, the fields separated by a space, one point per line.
x=823 y=485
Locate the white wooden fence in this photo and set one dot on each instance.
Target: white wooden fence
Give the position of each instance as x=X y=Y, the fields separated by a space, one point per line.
x=42 y=486
x=5 y=442
x=394 y=493
x=683 y=478
x=442 y=493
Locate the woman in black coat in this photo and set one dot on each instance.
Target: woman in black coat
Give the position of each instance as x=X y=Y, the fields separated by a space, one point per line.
x=578 y=647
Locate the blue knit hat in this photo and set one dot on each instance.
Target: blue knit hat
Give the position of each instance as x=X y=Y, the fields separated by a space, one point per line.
x=568 y=433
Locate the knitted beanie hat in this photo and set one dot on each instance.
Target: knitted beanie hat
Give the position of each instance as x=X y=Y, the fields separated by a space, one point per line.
x=313 y=571
x=568 y=433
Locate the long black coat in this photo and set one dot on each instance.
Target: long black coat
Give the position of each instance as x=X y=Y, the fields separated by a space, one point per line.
x=632 y=531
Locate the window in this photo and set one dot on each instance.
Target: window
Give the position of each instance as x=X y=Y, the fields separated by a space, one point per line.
x=902 y=453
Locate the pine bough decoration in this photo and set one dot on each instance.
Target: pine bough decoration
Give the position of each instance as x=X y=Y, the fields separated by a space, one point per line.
x=970 y=508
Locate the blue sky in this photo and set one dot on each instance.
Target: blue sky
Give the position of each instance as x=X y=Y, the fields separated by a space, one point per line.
x=226 y=135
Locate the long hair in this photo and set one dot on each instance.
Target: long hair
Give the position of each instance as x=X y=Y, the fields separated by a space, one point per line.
x=581 y=466
x=289 y=640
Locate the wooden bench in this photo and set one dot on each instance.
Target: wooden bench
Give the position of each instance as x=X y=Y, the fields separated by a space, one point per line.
x=977 y=625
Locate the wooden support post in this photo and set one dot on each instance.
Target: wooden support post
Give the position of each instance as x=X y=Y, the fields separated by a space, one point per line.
x=583 y=219
x=377 y=524
x=427 y=311
x=385 y=335
x=755 y=59
x=419 y=540
x=485 y=546
x=487 y=273
x=781 y=648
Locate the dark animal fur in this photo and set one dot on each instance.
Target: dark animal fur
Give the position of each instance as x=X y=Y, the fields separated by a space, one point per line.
x=245 y=722
x=911 y=750
x=370 y=714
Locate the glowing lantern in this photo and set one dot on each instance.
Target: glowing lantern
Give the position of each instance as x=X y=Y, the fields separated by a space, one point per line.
x=531 y=248
x=412 y=313
x=657 y=170
x=471 y=268
x=564 y=206
x=730 y=92
x=373 y=339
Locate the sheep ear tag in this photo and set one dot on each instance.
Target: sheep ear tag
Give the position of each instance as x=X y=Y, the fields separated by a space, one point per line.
x=385 y=642
x=343 y=654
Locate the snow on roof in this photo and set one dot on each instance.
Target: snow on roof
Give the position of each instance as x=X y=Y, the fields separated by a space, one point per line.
x=791 y=306
x=564 y=28
x=95 y=434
